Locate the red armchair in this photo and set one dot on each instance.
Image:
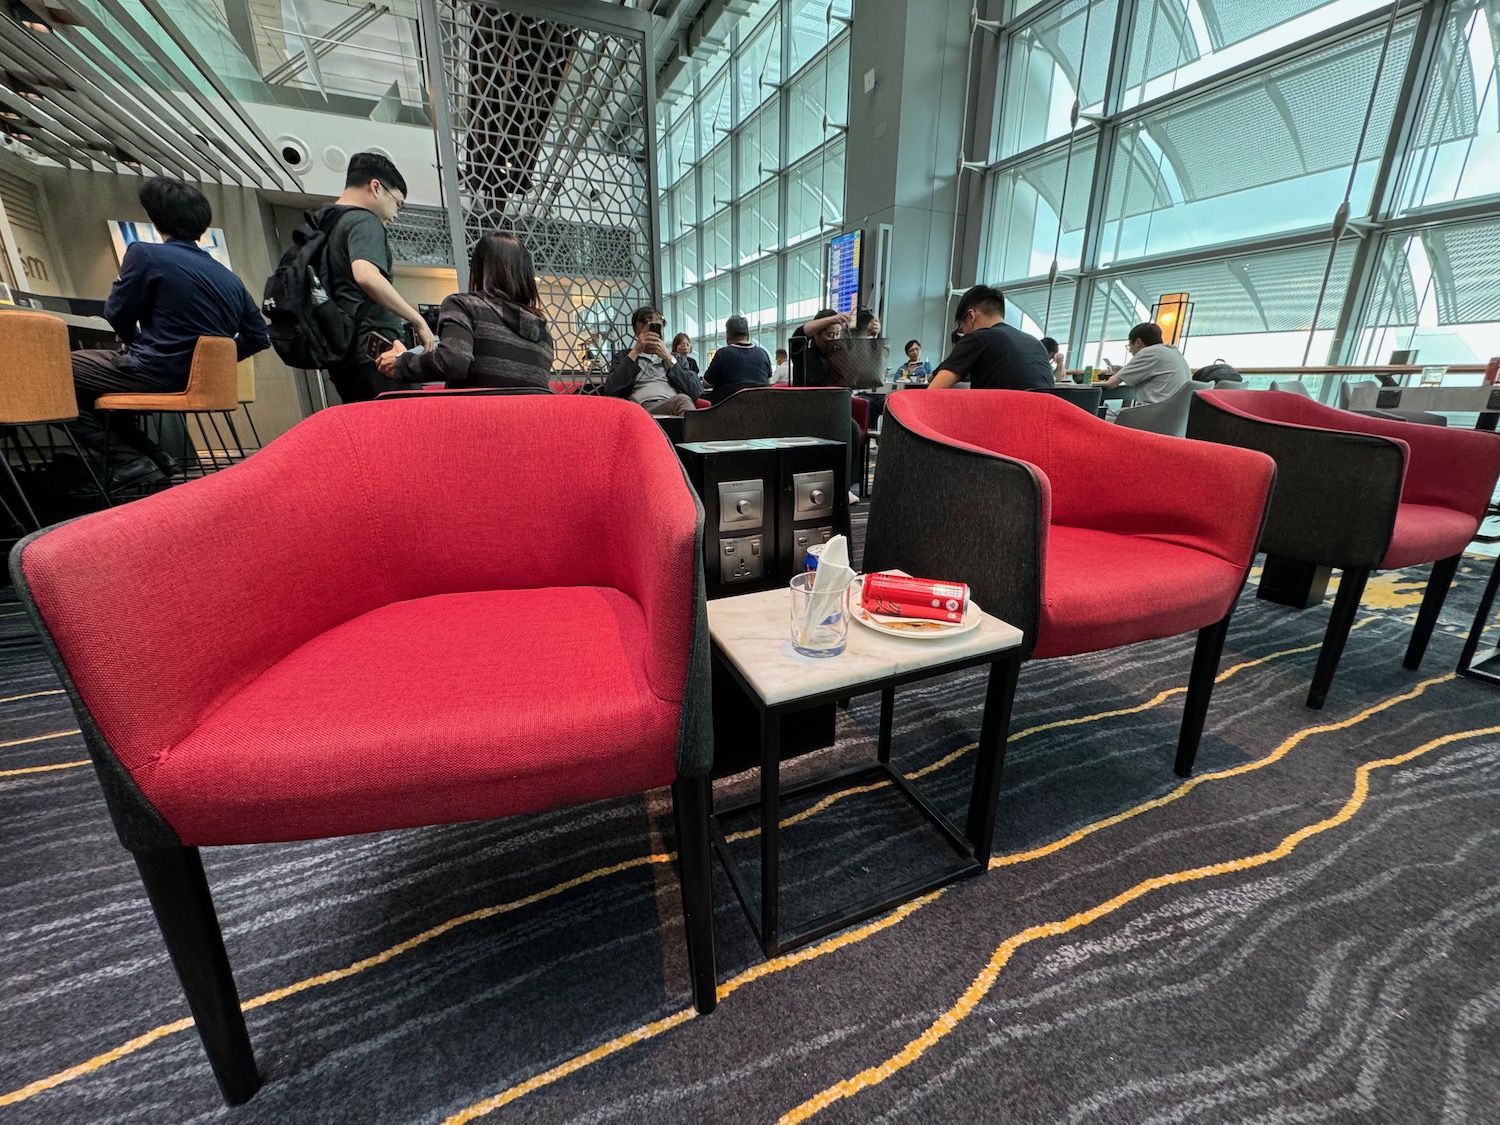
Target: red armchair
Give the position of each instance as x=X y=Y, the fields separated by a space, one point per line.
x=1084 y=535
x=238 y=650
x=1356 y=494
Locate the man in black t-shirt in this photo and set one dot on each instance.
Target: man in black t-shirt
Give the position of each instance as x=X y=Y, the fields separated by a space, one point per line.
x=737 y=365
x=359 y=271
x=991 y=355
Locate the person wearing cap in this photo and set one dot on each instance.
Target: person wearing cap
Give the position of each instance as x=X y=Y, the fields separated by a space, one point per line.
x=738 y=365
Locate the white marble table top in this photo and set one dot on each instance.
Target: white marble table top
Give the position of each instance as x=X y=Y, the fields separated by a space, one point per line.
x=753 y=631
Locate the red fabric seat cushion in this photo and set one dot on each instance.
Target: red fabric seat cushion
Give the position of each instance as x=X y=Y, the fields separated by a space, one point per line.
x=441 y=709
x=1102 y=589
x=1425 y=533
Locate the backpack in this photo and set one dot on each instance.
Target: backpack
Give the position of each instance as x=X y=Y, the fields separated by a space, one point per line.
x=307 y=328
x=1217 y=372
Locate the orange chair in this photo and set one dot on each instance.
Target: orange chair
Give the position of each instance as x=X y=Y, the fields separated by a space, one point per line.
x=36 y=387
x=212 y=388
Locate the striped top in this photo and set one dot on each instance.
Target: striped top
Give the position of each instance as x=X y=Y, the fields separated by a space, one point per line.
x=478 y=348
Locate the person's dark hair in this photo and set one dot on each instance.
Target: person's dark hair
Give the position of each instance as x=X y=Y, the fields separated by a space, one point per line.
x=781 y=353
x=1050 y=344
x=909 y=343
x=1147 y=334
x=736 y=328
x=822 y=313
x=644 y=315
x=679 y=338
x=176 y=209
x=501 y=265
x=986 y=298
x=367 y=166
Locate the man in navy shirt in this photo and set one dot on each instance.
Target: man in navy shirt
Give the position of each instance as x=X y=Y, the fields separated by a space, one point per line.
x=167 y=295
x=739 y=365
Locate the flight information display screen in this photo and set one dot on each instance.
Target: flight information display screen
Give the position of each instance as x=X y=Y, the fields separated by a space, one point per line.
x=844 y=253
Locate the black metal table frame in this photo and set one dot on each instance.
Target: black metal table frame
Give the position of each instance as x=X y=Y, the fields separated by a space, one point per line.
x=972 y=845
x=1487 y=666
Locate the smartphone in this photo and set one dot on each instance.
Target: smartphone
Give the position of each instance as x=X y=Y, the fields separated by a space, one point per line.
x=376 y=345
x=658 y=327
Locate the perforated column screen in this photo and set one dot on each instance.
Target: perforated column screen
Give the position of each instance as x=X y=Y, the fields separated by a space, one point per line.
x=547 y=134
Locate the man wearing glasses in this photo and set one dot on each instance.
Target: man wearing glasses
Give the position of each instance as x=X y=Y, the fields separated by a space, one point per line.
x=358 y=272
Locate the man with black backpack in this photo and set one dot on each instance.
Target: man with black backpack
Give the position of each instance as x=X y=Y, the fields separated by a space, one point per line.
x=345 y=311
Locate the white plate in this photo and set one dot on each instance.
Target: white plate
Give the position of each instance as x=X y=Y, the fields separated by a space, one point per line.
x=923 y=631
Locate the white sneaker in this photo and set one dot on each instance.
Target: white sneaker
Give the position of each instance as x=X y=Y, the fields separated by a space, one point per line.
x=854 y=498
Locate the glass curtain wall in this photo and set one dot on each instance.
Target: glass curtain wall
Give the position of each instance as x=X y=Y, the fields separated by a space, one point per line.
x=1144 y=147
x=752 y=171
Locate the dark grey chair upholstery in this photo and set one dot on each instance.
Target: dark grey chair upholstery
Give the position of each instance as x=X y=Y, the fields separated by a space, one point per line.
x=1089 y=398
x=1169 y=416
x=766 y=412
x=1355 y=494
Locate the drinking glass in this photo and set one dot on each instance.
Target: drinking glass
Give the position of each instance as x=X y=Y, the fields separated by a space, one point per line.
x=826 y=637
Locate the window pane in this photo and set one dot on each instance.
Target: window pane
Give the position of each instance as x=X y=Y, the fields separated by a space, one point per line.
x=1042 y=311
x=1027 y=201
x=809 y=97
x=760 y=146
x=680 y=151
x=837 y=100
x=758 y=68
x=1437 y=291
x=758 y=294
x=1259 y=305
x=685 y=257
x=717 y=254
x=1177 y=42
x=713 y=114
x=758 y=223
x=1174 y=186
x=810 y=30
x=814 y=199
x=718 y=306
x=804 y=283
x=1456 y=147
x=716 y=191
x=683 y=205
x=688 y=319
x=1062 y=57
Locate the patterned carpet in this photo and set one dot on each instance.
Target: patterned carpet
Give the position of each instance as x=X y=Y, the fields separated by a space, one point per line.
x=1305 y=931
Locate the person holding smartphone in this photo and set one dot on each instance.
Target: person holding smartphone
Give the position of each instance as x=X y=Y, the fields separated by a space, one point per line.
x=648 y=372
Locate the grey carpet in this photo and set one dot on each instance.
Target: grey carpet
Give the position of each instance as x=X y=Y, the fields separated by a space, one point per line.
x=1346 y=974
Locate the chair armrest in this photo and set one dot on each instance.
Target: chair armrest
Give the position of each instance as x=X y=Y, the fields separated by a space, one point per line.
x=1445 y=467
x=927 y=518
x=1132 y=482
x=1336 y=493
x=654 y=548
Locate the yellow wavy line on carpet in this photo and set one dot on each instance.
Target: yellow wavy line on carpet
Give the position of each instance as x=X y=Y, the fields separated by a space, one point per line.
x=40 y=737
x=43 y=769
x=488 y=912
x=651 y=1030
x=985 y=980
x=948 y=759
x=1192 y=783
x=329 y=977
x=30 y=695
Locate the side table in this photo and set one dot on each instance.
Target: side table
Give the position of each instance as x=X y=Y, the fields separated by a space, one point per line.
x=1471 y=662
x=751 y=642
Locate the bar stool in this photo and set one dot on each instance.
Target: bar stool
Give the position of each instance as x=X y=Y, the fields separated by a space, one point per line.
x=212 y=388
x=36 y=388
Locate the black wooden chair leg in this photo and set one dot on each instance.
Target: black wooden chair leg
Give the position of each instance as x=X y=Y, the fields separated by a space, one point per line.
x=989 y=760
x=15 y=485
x=1200 y=690
x=1345 y=606
x=691 y=800
x=1432 y=604
x=179 y=895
